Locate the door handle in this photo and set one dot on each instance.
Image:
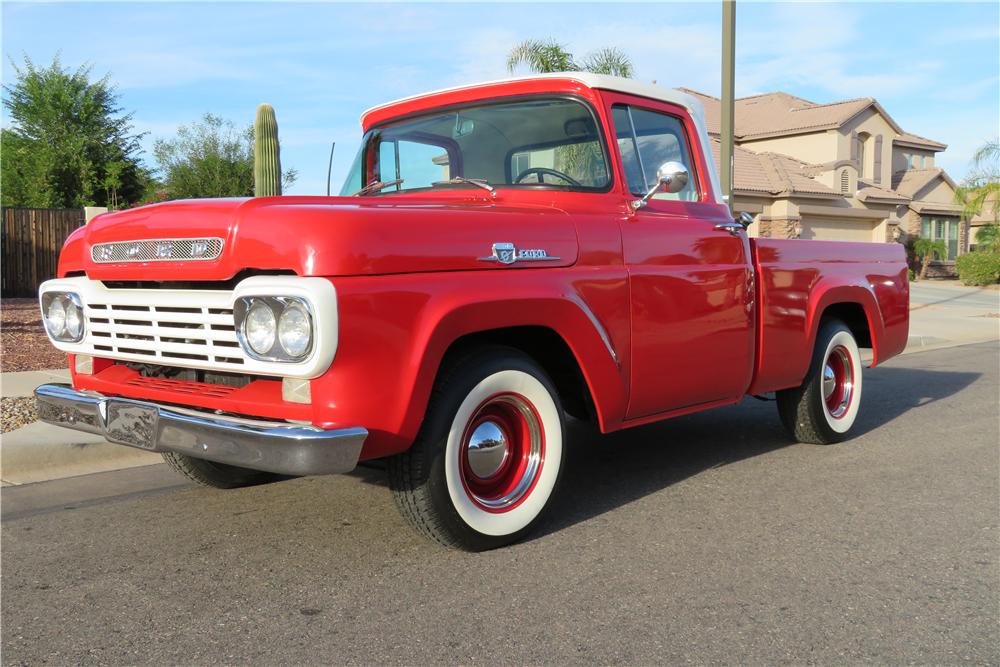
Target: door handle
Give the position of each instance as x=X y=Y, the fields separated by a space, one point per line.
x=733 y=228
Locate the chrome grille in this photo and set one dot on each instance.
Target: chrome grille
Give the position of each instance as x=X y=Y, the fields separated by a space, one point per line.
x=173 y=335
x=157 y=250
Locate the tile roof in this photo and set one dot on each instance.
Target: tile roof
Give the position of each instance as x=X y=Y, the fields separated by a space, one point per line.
x=922 y=142
x=771 y=173
x=911 y=181
x=873 y=193
x=934 y=207
x=778 y=113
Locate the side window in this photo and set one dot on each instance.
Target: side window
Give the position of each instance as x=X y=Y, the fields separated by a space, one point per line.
x=647 y=139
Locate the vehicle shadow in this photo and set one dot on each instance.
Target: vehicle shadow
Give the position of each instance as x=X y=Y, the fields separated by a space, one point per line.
x=606 y=471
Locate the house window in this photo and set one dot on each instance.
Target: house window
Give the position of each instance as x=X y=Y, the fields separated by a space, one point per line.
x=942 y=229
x=909 y=161
x=921 y=161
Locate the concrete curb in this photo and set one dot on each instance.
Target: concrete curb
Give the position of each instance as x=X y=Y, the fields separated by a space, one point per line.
x=41 y=451
x=13 y=385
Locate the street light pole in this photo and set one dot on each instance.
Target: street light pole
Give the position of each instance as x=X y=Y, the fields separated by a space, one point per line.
x=728 y=128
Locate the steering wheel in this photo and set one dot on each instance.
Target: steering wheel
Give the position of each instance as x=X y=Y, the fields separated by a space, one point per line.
x=544 y=170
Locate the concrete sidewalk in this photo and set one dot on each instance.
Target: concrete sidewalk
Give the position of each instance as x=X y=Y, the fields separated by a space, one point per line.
x=40 y=452
x=941 y=315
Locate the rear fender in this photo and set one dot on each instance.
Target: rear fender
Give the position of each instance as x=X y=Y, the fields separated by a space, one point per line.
x=787 y=339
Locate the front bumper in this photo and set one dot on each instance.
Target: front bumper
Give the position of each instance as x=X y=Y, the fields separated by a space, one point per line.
x=256 y=444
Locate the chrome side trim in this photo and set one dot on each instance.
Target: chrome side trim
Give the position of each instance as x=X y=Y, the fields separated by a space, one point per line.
x=260 y=445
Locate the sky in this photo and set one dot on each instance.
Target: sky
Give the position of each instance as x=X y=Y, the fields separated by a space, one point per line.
x=934 y=67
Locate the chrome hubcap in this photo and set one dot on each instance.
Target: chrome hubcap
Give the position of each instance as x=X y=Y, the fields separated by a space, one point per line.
x=487 y=450
x=838 y=382
x=829 y=382
x=503 y=452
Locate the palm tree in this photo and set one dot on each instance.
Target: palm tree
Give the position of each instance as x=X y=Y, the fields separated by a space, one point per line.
x=925 y=249
x=982 y=185
x=548 y=55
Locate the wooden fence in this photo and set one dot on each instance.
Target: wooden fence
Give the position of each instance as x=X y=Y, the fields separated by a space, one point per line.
x=31 y=240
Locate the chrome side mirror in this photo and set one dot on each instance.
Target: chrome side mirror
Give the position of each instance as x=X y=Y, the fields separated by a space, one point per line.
x=745 y=219
x=670 y=177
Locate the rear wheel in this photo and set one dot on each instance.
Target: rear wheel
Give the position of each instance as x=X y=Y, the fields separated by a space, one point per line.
x=216 y=475
x=822 y=410
x=489 y=454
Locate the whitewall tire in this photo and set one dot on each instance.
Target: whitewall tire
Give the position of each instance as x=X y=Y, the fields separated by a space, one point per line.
x=824 y=408
x=489 y=455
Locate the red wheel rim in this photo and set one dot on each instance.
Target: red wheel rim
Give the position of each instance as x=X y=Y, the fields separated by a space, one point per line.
x=501 y=487
x=838 y=382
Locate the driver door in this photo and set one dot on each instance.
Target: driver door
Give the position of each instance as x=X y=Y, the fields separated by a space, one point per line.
x=691 y=283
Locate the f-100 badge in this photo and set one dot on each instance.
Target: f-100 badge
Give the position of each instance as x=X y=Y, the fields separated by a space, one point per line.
x=506 y=253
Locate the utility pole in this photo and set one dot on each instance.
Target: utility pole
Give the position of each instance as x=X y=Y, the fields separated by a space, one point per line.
x=728 y=128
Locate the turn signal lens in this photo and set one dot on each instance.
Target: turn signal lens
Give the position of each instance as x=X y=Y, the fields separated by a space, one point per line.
x=260 y=328
x=295 y=330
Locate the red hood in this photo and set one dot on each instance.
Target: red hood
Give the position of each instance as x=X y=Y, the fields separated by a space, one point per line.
x=327 y=236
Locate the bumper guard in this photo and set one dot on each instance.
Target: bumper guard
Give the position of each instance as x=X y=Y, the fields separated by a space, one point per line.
x=270 y=446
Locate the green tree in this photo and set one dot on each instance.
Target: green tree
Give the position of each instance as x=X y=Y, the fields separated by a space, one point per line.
x=547 y=55
x=213 y=158
x=65 y=130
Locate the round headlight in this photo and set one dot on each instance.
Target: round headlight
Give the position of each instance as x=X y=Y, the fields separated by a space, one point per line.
x=74 y=320
x=260 y=328
x=294 y=330
x=56 y=317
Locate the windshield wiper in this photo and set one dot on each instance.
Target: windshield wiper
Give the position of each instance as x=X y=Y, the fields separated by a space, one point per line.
x=376 y=187
x=458 y=180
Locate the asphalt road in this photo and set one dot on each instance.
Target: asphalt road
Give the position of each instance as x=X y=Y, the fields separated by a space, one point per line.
x=708 y=539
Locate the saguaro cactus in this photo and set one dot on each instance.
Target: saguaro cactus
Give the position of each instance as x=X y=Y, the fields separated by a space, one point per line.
x=266 y=160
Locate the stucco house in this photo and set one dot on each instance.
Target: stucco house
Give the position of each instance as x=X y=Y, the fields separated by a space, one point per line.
x=842 y=171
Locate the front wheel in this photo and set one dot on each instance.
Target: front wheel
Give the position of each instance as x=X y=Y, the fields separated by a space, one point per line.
x=822 y=410
x=489 y=454
x=216 y=475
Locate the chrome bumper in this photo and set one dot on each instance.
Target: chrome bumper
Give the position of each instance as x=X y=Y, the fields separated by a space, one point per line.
x=257 y=444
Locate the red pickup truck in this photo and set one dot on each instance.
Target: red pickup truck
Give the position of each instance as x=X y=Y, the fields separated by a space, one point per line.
x=501 y=255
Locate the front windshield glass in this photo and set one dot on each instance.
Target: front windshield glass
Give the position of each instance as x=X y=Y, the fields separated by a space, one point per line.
x=551 y=143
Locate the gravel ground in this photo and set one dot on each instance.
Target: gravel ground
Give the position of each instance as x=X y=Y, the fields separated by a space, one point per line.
x=23 y=343
x=23 y=347
x=17 y=412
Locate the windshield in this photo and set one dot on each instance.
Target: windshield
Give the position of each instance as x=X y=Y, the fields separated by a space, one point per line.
x=552 y=143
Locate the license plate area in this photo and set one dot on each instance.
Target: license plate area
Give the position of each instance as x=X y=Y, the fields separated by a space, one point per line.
x=132 y=425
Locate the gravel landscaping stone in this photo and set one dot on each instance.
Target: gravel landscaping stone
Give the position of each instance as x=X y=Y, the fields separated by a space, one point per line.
x=17 y=412
x=23 y=347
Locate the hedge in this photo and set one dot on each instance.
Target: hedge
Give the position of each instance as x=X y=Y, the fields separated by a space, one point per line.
x=978 y=267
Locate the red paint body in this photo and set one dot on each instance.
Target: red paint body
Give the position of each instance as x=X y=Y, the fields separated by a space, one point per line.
x=663 y=313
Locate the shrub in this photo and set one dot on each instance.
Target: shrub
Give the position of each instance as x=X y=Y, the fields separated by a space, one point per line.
x=979 y=268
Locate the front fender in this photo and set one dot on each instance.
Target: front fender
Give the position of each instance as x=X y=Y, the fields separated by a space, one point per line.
x=395 y=330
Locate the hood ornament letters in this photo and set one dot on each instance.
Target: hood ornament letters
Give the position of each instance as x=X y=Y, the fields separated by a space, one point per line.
x=507 y=253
